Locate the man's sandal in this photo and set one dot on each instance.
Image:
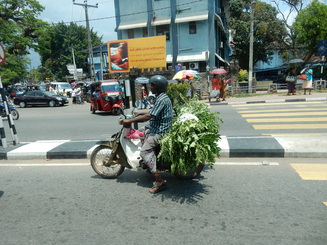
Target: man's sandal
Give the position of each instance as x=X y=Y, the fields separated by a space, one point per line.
x=157 y=188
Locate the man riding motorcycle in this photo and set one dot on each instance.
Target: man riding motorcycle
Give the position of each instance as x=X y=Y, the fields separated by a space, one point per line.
x=160 y=117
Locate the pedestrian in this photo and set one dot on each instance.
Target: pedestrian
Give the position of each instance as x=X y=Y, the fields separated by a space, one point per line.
x=144 y=97
x=291 y=80
x=161 y=118
x=74 y=95
x=215 y=85
x=96 y=97
x=223 y=89
x=191 y=90
x=307 y=83
x=122 y=88
x=78 y=94
x=64 y=93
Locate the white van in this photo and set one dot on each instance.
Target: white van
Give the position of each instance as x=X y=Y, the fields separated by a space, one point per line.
x=59 y=87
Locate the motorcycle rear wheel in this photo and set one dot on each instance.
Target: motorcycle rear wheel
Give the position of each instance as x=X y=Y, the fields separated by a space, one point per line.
x=99 y=156
x=191 y=174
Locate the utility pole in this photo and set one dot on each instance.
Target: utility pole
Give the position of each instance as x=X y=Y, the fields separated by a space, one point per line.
x=251 y=48
x=86 y=6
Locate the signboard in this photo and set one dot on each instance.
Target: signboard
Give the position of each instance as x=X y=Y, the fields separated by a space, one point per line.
x=139 y=52
x=178 y=68
x=322 y=48
x=2 y=55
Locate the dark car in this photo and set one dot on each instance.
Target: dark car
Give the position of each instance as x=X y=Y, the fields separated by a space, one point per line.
x=40 y=98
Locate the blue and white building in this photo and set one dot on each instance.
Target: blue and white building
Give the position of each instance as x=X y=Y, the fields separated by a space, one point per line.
x=196 y=30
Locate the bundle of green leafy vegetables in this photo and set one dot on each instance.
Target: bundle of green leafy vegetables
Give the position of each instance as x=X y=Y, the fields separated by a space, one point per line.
x=193 y=137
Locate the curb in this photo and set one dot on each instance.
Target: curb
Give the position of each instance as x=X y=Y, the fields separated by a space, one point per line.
x=268 y=101
x=274 y=146
x=231 y=147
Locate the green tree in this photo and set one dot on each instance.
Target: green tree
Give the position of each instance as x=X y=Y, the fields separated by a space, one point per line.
x=14 y=69
x=290 y=47
x=56 y=48
x=269 y=31
x=19 y=32
x=311 y=26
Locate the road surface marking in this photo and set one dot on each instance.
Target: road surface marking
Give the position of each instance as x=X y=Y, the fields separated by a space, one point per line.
x=292 y=119
x=290 y=126
x=43 y=164
x=311 y=171
x=281 y=110
x=286 y=114
x=264 y=163
x=279 y=103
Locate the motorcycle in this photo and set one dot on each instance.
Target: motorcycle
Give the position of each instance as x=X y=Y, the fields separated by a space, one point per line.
x=111 y=157
x=13 y=111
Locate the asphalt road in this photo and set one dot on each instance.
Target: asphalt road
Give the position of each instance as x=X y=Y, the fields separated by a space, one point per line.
x=75 y=122
x=55 y=202
x=70 y=122
x=285 y=118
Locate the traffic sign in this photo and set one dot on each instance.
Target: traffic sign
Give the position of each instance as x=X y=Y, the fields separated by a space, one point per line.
x=322 y=48
x=2 y=55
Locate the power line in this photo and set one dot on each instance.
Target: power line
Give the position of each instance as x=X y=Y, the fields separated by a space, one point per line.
x=135 y=13
x=86 y=6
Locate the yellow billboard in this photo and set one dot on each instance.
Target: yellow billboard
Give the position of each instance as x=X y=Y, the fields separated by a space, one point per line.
x=139 y=52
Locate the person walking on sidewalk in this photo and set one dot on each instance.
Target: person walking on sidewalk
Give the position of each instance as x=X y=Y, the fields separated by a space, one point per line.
x=215 y=85
x=307 y=84
x=223 y=88
x=291 y=80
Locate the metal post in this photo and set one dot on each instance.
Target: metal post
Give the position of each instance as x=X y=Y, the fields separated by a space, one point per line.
x=85 y=6
x=251 y=49
x=208 y=77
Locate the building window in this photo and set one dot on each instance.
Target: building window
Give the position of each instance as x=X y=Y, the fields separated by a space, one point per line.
x=192 y=27
x=145 y=31
x=130 y=33
x=163 y=30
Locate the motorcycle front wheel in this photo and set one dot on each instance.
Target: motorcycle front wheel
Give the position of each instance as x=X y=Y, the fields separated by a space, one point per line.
x=14 y=114
x=191 y=174
x=99 y=160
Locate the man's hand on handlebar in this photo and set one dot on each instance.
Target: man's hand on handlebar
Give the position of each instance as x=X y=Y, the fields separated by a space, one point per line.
x=139 y=117
x=127 y=123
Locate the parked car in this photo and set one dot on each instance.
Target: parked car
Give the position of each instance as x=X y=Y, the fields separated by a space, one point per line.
x=38 y=97
x=36 y=87
x=59 y=88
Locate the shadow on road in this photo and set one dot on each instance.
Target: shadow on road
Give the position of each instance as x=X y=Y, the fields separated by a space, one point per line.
x=177 y=190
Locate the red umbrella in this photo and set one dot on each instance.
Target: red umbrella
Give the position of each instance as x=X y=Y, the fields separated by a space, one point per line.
x=218 y=71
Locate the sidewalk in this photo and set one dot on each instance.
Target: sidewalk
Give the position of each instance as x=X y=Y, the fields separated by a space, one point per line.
x=295 y=146
x=277 y=145
x=272 y=98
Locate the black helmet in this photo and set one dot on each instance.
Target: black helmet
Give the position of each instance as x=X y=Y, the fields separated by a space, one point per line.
x=160 y=83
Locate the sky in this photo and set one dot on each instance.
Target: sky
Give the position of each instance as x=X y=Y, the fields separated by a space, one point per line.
x=102 y=19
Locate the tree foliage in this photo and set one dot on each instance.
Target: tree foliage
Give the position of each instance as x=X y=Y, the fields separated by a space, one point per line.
x=56 y=48
x=291 y=49
x=19 y=32
x=311 y=26
x=269 y=31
